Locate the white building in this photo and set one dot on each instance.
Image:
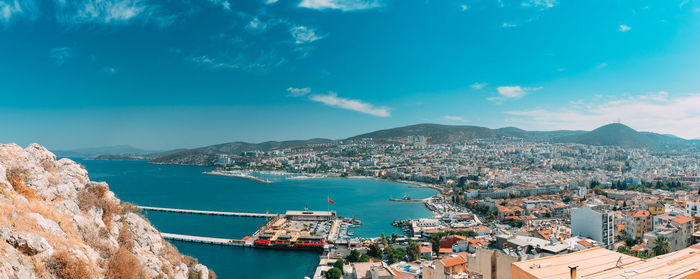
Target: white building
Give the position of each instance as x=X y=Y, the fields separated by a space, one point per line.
x=595 y=224
x=692 y=208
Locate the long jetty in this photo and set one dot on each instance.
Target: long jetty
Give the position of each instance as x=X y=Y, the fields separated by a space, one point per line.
x=206 y=212
x=205 y=240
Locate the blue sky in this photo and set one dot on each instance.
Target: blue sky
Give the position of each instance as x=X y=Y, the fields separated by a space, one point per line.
x=184 y=73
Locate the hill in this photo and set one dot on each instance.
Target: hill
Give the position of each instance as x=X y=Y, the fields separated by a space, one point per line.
x=208 y=155
x=617 y=134
x=104 y=150
x=612 y=135
x=56 y=223
x=434 y=133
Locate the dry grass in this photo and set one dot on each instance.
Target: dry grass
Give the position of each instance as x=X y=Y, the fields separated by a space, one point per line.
x=95 y=196
x=129 y=208
x=67 y=266
x=123 y=264
x=17 y=176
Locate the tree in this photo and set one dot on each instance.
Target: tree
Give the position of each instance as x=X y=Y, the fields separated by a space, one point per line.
x=517 y=223
x=662 y=246
x=353 y=257
x=413 y=250
x=334 y=273
x=364 y=258
x=622 y=249
x=339 y=264
x=394 y=237
x=374 y=251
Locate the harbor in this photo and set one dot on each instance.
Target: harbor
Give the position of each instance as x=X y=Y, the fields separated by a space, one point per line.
x=294 y=230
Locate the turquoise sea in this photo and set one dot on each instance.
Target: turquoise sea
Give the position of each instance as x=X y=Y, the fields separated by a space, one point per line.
x=186 y=187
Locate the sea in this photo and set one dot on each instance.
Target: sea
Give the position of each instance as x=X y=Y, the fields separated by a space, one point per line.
x=186 y=187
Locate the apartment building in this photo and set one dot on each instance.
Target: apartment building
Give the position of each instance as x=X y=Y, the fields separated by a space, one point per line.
x=588 y=221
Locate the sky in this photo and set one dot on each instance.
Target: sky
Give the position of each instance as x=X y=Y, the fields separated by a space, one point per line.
x=184 y=73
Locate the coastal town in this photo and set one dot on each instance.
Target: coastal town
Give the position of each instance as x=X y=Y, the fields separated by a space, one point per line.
x=505 y=208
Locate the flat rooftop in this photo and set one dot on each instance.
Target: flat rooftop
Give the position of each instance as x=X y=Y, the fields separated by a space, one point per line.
x=598 y=263
x=308 y=213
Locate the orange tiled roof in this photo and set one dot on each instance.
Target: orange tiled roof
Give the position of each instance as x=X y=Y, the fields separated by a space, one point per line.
x=682 y=219
x=453 y=261
x=639 y=213
x=584 y=243
x=445 y=250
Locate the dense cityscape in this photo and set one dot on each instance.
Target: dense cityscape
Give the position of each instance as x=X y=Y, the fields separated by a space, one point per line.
x=500 y=201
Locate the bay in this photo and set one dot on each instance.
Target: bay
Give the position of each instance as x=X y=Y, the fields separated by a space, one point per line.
x=187 y=187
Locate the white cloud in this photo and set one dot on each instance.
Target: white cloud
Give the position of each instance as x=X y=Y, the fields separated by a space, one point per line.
x=656 y=112
x=343 y=5
x=60 y=54
x=624 y=28
x=539 y=3
x=298 y=92
x=464 y=7
x=512 y=92
x=303 y=34
x=17 y=8
x=455 y=119
x=111 y=12
x=509 y=25
x=256 y=25
x=331 y=99
x=478 y=85
x=223 y=3
x=270 y=2
x=269 y=60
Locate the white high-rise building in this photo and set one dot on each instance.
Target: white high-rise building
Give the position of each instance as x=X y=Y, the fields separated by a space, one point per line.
x=598 y=225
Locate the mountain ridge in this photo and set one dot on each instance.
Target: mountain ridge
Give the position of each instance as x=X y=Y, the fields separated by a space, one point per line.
x=614 y=134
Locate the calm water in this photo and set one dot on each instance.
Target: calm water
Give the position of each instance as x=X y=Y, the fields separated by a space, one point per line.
x=186 y=187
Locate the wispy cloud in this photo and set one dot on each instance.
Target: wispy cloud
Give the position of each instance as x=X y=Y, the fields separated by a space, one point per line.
x=464 y=7
x=270 y=2
x=509 y=25
x=478 y=85
x=223 y=3
x=455 y=119
x=60 y=54
x=111 y=12
x=303 y=34
x=256 y=25
x=268 y=61
x=343 y=5
x=331 y=99
x=298 y=92
x=10 y=9
x=624 y=28
x=657 y=112
x=539 y=3
x=511 y=93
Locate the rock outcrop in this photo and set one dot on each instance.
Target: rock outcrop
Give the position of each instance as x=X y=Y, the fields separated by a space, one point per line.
x=56 y=223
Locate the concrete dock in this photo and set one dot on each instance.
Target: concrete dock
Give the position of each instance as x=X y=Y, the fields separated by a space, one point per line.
x=205 y=240
x=205 y=212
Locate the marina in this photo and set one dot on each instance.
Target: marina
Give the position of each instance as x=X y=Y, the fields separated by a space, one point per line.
x=294 y=230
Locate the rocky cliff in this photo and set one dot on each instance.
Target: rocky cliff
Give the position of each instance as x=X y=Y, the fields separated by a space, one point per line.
x=56 y=223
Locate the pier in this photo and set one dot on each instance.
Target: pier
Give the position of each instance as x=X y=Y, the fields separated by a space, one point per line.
x=205 y=240
x=205 y=212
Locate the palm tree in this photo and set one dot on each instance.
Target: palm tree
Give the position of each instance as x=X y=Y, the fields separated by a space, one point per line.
x=413 y=249
x=662 y=246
